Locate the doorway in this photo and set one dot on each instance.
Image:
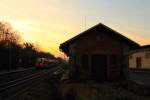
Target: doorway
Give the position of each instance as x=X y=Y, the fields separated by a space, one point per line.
x=99 y=66
x=138 y=62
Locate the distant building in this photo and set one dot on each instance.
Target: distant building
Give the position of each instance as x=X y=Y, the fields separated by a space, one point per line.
x=99 y=53
x=140 y=58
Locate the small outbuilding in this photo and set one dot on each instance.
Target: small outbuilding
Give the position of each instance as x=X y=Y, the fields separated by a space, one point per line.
x=140 y=58
x=99 y=53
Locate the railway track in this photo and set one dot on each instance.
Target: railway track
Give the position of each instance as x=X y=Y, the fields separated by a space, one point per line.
x=12 y=84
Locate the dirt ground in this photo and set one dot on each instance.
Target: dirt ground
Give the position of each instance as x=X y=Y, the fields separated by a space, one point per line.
x=90 y=90
x=44 y=89
x=50 y=88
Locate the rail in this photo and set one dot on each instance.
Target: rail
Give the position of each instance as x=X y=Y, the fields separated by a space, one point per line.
x=10 y=87
x=16 y=71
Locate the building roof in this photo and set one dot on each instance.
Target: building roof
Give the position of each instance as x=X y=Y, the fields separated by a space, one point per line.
x=132 y=45
x=145 y=46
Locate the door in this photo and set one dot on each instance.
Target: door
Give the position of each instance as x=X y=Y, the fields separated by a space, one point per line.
x=99 y=66
x=138 y=62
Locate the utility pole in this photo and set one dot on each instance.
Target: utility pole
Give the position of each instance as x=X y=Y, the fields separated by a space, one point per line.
x=9 y=47
x=10 y=55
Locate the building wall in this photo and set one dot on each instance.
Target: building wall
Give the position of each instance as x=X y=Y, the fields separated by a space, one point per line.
x=145 y=59
x=99 y=43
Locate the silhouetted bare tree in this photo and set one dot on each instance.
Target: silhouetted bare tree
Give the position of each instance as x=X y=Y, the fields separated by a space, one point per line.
x=13 y=54
x=8 y=35
x=9 y=41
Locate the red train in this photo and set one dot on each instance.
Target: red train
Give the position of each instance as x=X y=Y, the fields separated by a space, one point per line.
x=45 y=63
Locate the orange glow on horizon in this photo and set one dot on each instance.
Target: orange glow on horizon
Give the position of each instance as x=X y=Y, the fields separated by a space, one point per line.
x=50 y=41
x=49 y=23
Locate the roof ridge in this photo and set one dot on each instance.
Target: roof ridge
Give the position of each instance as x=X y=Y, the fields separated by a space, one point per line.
x=128 y=41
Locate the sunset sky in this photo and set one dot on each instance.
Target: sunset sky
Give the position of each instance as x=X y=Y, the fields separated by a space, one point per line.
x=51 y=22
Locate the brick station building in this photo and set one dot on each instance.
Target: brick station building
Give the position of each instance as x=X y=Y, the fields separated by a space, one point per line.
x=99 y=53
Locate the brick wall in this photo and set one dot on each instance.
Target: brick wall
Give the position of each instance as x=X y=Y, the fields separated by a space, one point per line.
x=99 y=43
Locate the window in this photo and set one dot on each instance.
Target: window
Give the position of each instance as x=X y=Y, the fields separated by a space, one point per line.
x=130 y=57
x=74 y=58
x=147 y=55
x=85 y=61
x=138 y=62
x=113 y=59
